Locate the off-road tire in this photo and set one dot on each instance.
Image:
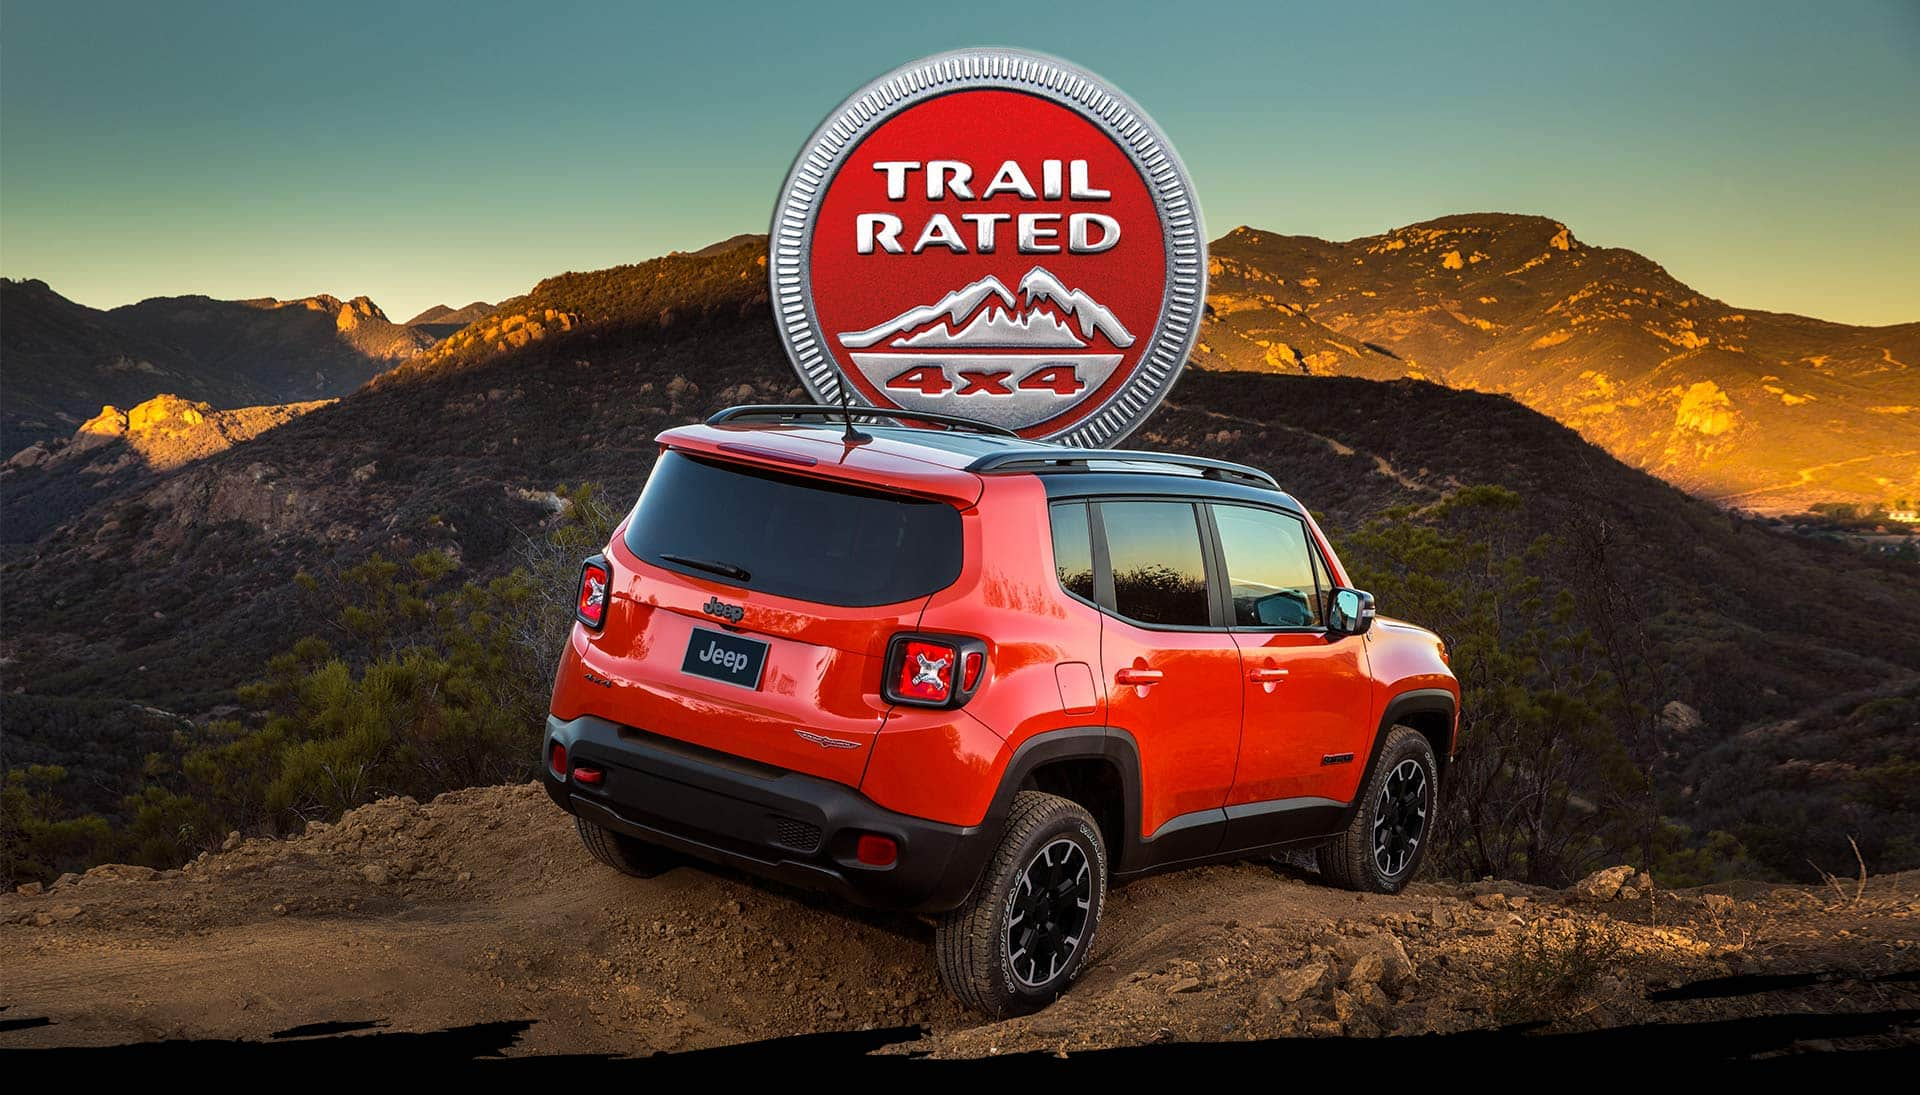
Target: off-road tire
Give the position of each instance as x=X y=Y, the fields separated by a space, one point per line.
x=971 y=942
x=624 y=853
x=1350 y=861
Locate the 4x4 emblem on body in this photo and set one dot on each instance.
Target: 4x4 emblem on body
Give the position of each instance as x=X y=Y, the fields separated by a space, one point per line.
x=995 y=234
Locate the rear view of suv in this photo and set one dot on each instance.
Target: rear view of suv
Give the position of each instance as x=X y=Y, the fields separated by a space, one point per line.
x=929 y=665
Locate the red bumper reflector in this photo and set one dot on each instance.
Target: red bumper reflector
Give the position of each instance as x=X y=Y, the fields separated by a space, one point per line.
x=970 y=678
x=875 y=850
x=557 y=760
x=589 y=776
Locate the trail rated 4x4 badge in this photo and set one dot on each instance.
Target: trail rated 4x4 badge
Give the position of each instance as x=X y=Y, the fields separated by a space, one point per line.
x=991 y=233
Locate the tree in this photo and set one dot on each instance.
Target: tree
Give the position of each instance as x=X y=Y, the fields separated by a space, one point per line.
x=38 y=840
x=417 y=685
x=1536 y=791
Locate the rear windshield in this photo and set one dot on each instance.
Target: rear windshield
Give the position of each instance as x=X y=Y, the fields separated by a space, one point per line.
x=793 y=536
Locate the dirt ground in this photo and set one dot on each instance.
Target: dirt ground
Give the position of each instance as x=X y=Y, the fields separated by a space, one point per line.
x=481 y=907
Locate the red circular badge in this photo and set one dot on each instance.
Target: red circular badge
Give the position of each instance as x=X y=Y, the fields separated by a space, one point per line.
x=994 y=234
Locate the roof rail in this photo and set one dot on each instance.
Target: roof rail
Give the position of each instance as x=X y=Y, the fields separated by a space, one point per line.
x=1062 y=459
x=785 y=411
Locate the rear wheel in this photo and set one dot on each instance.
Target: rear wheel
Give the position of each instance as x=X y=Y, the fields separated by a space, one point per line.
x=1024 y=934
x=622 y=852
x=1381 y=849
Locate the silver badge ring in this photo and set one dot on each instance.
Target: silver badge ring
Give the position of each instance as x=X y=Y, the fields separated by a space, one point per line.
x=1122 y=410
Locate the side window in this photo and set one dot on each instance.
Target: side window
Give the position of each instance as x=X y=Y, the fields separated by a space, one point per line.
x=1271 y=568
x=1073 y=550
x=1159 y=576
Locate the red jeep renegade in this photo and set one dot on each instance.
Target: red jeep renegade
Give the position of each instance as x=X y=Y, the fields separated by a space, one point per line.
x=950 y=670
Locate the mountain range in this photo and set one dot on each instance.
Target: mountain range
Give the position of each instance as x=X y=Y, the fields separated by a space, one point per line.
x=440 y=320
x=1761 y=410
x=1767 y=412
x=64 y=361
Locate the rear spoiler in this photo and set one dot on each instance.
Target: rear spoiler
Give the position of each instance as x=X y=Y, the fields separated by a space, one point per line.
x=793 y=412
x=818 y=451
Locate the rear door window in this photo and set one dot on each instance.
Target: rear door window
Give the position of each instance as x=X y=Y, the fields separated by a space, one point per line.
x=793 y=536
x=1159 y=569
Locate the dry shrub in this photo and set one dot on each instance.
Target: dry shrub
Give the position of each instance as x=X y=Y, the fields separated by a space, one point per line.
x=1553 y=969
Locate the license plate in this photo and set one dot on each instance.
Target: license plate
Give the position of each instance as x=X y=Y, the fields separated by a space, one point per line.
x=717 y=656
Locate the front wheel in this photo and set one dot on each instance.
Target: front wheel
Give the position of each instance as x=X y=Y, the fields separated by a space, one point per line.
x=1382 y=847
x=1024 y=934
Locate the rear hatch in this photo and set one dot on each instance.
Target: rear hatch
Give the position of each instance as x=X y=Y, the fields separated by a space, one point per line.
x=751 y=607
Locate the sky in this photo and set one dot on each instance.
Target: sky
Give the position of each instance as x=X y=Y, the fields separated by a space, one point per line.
x=421 y=153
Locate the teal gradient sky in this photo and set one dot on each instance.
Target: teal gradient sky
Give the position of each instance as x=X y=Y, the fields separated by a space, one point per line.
x=1768 y=154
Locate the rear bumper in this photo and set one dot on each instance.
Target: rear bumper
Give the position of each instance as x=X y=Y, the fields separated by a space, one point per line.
x=783 y=825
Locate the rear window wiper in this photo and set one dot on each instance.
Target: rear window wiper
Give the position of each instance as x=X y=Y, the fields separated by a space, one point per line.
x=725 y=570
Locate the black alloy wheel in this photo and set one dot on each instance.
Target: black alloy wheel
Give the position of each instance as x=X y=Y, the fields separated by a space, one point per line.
x=1392 y=818
x=1026 y=931
x=1047 y=913
x=1400 y=817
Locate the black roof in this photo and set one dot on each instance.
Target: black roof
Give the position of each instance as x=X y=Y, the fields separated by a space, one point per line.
x=971 y=445
x=1069 y=472
x=1066 y=471
x=1102 y=483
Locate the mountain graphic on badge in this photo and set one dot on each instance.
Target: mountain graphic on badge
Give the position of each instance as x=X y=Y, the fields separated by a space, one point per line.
x=986 y=315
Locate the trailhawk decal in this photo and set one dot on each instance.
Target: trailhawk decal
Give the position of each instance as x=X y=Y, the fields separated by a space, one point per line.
x=995 y=234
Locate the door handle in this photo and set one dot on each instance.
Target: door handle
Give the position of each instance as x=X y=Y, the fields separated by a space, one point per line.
x=1266 y=674
x=1138 y=676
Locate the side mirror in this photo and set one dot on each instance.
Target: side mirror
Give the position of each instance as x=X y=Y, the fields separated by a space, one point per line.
x=1349 y=612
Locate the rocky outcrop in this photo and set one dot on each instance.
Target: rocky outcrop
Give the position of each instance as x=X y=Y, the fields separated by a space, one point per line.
x=1602 y=885
x=500 y=333
x=1680 y=718
x=162 y=434
x=105 y=428
x=32 y=456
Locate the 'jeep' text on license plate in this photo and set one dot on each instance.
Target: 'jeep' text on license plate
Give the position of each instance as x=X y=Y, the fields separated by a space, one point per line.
x=729 y=658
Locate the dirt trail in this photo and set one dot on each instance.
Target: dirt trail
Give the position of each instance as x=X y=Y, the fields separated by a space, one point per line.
x=481 y=906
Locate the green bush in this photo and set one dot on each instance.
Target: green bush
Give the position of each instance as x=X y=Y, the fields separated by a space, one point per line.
x=1543 y=788
x=421 y=684
x=38 y=840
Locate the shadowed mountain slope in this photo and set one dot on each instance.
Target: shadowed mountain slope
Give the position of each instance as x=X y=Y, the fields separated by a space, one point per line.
x=64 y=361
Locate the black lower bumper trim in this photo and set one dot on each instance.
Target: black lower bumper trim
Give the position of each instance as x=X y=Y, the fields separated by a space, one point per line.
x=760 y=819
